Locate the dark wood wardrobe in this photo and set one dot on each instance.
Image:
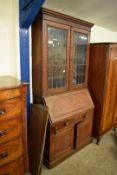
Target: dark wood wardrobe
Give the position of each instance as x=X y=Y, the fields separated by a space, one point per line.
x=60 y=58
x=103 y=86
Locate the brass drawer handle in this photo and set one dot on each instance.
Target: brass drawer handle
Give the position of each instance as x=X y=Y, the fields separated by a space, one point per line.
x=2 y=111
x=2 y=133
x=3 y=155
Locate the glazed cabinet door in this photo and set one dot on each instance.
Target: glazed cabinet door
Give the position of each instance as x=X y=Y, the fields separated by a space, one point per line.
x=62 y=143
x=79 y=58
x=56 y=57
x=84 y=131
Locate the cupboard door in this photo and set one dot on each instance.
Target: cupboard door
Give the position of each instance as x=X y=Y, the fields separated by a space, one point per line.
x=79 y=57
x=84 y=132
x=62 y=143
x=56 y=56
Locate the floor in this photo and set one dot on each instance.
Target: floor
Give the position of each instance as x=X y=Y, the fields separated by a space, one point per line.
x=93 y=159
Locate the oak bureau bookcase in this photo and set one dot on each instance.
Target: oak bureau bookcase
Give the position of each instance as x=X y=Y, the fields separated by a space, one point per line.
x=60 y=56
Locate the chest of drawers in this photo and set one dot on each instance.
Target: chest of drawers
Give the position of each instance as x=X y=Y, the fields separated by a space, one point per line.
x=13 y=134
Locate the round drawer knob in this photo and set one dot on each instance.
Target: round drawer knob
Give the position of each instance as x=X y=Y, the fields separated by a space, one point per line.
x=3 y=155
x=2 y=133
x=2 y=111
x=84 y=116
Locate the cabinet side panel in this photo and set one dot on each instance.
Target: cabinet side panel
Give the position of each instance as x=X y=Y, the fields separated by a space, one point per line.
x=97 y=75
x=37 y=133
x=24 y=127
x=37 y=57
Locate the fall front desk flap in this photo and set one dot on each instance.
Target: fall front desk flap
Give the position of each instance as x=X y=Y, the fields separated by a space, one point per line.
x=67 y=104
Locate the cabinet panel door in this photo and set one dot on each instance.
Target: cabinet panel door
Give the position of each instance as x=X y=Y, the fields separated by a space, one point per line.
x=56 y=57
x=84 y=132
x=79 y=57
x=62 y=143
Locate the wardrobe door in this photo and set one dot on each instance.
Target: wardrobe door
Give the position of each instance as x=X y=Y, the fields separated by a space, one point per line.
x=110 y=102
x=79 y=57
x=55 y=57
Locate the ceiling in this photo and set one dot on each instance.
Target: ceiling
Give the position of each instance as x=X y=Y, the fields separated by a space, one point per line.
x=100 y=12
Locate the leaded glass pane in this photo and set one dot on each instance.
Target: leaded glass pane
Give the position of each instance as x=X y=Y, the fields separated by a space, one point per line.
x=79 y=58
x=57 y=57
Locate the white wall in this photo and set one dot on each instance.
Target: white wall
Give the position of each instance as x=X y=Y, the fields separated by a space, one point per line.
x=9 y=38
x=99 y=34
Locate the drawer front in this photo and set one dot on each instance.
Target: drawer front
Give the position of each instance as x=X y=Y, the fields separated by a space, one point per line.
x=10 y=130
x=15 y=168
x=11 y=151
x=69 y=121
x=9 y=109
x=10 y=93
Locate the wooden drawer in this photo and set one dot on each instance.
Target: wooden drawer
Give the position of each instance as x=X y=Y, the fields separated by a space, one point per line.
x=9 y=109
x=10 y=151
x=10 y=93
x=69 y=121
x=10 y=130
x=14 y=168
